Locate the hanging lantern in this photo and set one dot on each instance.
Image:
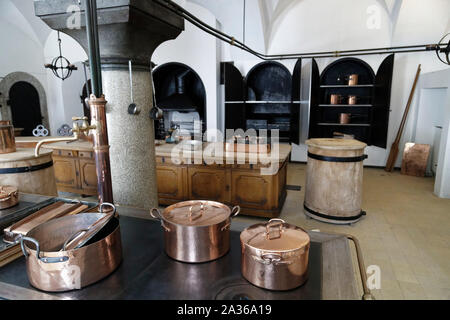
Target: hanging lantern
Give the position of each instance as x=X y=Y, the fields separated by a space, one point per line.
x=60 y=66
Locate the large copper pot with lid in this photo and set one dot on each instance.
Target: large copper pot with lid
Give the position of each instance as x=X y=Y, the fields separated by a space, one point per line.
x=275 y=255
x=196 y=231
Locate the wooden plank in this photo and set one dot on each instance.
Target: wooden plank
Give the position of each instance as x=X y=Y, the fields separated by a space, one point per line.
x=415 y=159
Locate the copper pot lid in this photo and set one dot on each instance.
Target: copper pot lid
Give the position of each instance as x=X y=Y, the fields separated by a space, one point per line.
x=7 y=191
x=275 y=235
x=197 y=213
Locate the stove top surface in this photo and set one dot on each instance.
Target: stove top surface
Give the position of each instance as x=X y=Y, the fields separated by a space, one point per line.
x=146 y=272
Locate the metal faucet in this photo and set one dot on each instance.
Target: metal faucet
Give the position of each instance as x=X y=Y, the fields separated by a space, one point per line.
x=77 y=132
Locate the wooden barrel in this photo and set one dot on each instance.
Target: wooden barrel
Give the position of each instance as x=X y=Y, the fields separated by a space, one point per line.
x=7 y=137
x=334 y=177
x=29 y=174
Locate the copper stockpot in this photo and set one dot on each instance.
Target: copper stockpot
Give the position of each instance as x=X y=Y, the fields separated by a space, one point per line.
x=7 y=137
x=353 y=80
x=9 y=197
x=352 y=100
x=345 y=118
x=335 y=99
x=275 y=255
x=196 y=231
x=49 y=268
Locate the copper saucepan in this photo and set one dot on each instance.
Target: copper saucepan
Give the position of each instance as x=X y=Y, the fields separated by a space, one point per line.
x=9 y=197
x=196 y=231
x=275 y=255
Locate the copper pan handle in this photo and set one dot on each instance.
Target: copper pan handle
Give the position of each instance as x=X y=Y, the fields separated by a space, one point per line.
x=156 y=214
x=38 y=251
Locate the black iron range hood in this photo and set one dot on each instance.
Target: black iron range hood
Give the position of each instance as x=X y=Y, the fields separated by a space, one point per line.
x=179 y=101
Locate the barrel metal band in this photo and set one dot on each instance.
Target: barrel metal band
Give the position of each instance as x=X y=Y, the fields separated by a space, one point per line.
x=327 y=216
x=27 y=169
x=337 y=159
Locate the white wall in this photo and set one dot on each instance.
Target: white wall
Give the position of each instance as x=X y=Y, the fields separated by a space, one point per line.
x=199 y=51
x=20 y=50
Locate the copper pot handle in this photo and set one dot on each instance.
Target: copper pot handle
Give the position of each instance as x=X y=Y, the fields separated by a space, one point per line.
x=271 y=258
x=272 y=223
x=108 y=205
x=12 y=193
x=38 y=251
x=159 y=217
x=202 y=208
x=235 y=211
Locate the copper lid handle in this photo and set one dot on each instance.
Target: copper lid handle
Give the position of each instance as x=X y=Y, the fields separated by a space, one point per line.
x=273 y=223
x=190 y=215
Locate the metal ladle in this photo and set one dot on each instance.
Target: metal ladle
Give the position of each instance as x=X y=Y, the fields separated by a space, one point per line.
x=132 y=108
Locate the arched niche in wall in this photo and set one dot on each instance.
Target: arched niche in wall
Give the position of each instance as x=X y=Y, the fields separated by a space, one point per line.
x=369 y=115
x=27 y=82
x=179 y=88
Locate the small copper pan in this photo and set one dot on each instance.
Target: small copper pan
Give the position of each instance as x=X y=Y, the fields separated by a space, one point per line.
x=9 y=197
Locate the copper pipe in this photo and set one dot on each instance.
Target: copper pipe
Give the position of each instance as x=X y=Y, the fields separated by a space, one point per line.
x=101 y=148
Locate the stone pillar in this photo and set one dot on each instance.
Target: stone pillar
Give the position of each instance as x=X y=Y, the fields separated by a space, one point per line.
x=131 y=137
x=128 y=30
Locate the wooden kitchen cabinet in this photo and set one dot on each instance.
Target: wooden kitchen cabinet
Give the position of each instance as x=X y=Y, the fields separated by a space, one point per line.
x=74 y=166
x=209 y=183
x=172 y=183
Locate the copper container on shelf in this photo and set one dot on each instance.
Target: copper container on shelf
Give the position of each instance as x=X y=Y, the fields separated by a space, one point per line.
x=336 y=99
x=353 y=80
x=344 y=118
x=9 y=197
x=7 y=137
x=275 y=255
x=352 y=100
x=196 y=231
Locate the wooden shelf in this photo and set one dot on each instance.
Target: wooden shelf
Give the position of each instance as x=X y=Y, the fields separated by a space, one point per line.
x=344 y=125
x=346 y=105
x=346 y=86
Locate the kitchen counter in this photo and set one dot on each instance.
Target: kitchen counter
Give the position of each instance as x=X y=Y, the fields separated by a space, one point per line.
x=257 y=186
x=146 y=272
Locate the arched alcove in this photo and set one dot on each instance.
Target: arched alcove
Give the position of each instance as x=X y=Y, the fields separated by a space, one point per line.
x=9 y=82
x=179 y=88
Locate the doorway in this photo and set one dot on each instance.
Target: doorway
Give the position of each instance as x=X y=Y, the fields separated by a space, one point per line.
x=25 y=107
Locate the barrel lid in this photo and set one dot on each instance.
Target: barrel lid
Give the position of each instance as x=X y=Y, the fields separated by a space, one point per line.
x=23 y=154
x=197 y=213
x=275 y=235
x=6 y=191
x=336 y=144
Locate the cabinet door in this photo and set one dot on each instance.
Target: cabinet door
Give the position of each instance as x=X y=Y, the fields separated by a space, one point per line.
x=251 y=190
x=171 y=183
x=209 y=184
x=88 y=175
x=66 y=172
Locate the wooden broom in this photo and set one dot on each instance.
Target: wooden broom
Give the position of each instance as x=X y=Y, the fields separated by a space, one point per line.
x=394 y=148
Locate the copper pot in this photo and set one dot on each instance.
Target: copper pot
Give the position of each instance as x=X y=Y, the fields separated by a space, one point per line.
x=196 y=231
x=353 y=80
x=336 y=99
x=275 y=255
x=7 y=137
x=52 y=269
x=9 y=197
x=352 y=100
x=344 y=118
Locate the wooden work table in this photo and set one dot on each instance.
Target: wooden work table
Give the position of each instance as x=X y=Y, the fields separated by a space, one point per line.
x=189 y=175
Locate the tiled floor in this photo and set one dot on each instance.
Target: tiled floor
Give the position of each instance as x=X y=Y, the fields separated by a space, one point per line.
x=406 y=232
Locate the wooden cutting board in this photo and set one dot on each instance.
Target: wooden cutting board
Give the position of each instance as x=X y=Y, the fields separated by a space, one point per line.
x=415 y=159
